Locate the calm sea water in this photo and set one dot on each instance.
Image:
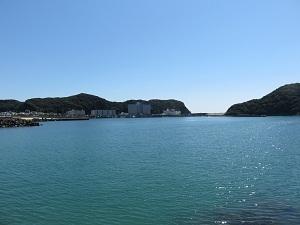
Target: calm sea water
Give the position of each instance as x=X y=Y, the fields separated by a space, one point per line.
x=158 y=171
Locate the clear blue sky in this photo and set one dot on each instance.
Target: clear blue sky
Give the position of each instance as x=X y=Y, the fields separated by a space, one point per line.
x=207 y=53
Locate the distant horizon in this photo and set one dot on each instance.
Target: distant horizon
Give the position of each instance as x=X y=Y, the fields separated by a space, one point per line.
x=207 y=54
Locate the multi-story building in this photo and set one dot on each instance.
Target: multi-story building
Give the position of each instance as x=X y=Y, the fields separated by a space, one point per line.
x=75 y=113
x=104 y=113
x=6 y=114
x=139 y=109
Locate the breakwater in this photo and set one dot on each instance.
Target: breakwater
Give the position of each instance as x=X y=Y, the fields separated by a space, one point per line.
x=63 y=119
x=17 y=122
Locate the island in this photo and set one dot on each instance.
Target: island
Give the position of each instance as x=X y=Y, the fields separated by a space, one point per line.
x=284 y=101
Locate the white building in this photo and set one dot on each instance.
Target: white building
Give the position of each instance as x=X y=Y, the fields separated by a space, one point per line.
x=75 y=113
x=171 y=112
x=6 y=114
x=104 y=113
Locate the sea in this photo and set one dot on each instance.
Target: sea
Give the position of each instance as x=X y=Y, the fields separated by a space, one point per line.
x=152 y=171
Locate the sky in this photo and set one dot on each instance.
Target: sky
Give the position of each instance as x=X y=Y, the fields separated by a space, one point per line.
x=208 y=53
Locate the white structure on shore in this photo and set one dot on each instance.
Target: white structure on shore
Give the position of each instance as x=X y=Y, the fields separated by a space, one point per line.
x=104 y=113
x=75 y=113
x=6 y=114
x=171 y=112
x=139 y=109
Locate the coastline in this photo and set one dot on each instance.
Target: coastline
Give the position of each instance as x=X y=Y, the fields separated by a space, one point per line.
x=6 y=122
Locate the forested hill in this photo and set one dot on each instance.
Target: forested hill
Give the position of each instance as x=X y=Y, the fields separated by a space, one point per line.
x=283 y=101
x=86 y=102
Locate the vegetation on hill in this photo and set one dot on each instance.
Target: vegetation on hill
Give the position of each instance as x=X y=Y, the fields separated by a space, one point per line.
x=86 y=102
x=10 y=105
x=283 y=101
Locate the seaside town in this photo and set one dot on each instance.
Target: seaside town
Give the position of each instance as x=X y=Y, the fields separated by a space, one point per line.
x=32 y=118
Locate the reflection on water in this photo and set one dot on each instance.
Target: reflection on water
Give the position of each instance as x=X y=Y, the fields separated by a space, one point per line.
x=266 y=213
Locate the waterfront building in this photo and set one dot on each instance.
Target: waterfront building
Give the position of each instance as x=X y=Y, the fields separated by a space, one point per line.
x=146 y=109
x=171 y=112
x=123 y=115
x=75 y=113
x=6 y=114
x=107 y=113
x=139 y=109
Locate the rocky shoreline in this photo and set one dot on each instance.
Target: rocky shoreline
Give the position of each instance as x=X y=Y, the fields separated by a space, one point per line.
x=17 y=122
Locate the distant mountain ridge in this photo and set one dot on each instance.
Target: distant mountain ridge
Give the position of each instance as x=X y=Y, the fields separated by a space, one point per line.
x=283 y=101
x=86 y=102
